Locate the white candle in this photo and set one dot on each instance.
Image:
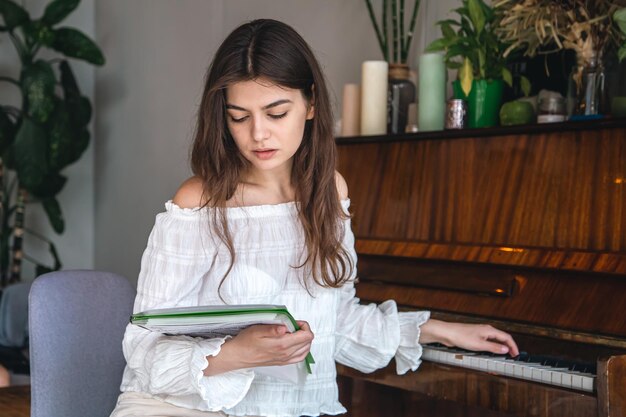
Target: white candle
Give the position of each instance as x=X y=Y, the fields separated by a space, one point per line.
x=374 y=97
x=351 y=110
x=432 y=92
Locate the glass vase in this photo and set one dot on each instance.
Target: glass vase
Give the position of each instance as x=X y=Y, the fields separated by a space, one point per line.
x=588 y=81
x=401 y=93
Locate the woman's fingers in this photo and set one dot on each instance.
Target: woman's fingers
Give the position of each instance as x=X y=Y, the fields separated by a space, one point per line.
x=505 y=342
x=269 y=344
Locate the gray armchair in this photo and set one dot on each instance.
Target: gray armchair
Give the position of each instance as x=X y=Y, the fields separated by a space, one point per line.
x=76 y=325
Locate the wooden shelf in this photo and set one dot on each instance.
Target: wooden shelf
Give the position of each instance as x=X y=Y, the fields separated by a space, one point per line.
x=607 y=123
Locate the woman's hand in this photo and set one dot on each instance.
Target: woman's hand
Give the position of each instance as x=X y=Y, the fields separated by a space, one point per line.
x=262 y=345
x=480 y=337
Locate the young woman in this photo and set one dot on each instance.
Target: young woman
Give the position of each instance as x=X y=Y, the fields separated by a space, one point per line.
x=265 y=220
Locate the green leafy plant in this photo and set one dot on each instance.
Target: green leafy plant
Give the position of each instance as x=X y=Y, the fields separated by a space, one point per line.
x=472 y=46
x=619 y=17
x=401 y=40
x=47 y=132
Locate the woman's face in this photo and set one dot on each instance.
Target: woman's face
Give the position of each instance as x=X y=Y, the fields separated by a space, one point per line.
x=267 y=122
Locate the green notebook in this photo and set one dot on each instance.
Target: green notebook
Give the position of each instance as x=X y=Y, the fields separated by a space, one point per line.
x=222 y=320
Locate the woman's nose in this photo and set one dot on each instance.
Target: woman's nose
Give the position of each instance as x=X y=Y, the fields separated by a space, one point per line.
x=260 y=130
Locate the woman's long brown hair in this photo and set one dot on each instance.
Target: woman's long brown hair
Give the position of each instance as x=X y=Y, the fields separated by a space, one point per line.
x=273 y=50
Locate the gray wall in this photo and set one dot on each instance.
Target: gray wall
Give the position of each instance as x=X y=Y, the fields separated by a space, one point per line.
x=76 y=245
x=148 y=93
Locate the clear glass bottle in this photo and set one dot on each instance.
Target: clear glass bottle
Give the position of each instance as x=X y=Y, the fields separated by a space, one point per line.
x=591 y=93
x=400 y=93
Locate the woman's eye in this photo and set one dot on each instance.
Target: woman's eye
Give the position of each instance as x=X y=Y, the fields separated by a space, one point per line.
x=238 y=120
x=278 y=116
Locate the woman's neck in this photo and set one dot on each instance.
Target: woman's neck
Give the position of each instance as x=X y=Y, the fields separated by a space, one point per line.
x=258 y=188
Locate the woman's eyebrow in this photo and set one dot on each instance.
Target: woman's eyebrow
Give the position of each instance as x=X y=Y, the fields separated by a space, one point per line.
x=269 y=106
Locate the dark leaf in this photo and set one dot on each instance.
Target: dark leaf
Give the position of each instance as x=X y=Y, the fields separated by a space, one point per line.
x=38 y=33
x=53 y=210
x=525 y=85
x=437 y=45
x=447 y=31
x=620 y=18
x=75 y=44
x=80 y=145
x=622 y=53
x=38 y=84
x=51 y=185
x=79 y=107
x=13 y=14
x=488 y=11
x=454 y=51
x=55 y=256
x=80 y=111
x=7 y=131
x=68 y=81
x=60 y=137
x=450 y=22
x=42 y=269
x=507 y=76
x=58 y=10
x=68 y=136
x=29 y=153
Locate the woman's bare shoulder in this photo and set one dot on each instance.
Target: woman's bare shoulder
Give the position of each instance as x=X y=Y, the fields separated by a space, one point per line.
x=190 y=194
x=342 y=187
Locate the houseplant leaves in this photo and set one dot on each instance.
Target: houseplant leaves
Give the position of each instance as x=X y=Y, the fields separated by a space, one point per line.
x=38 y=82
x=13 y=14
x=58 y=10
x=29 y=152
x=73 y=43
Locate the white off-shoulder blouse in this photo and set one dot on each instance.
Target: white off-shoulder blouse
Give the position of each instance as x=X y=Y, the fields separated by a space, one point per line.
x=183 y=266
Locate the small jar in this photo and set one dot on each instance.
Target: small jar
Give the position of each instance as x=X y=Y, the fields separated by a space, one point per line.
x=551 y=110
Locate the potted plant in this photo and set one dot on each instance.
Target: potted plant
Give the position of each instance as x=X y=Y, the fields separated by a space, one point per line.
x=547 y=26
x=471 y=45
x=47 y=132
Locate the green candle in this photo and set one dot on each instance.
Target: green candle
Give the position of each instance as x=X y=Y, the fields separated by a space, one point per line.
x=432 y=92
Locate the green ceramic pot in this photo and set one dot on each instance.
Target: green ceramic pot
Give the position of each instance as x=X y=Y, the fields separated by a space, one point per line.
x=483 y=102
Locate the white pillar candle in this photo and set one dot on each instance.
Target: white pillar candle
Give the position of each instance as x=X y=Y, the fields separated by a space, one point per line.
x=432 y=92
x=351 y=110
x=374 y=97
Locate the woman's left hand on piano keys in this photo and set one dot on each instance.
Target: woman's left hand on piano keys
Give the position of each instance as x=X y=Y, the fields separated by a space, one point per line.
x=478 y=337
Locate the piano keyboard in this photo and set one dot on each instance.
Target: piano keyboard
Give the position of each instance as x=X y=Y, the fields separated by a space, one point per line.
x=523 y=367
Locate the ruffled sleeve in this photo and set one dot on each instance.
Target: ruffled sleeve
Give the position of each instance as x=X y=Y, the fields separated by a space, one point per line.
x=369 y=336
x=177 y=260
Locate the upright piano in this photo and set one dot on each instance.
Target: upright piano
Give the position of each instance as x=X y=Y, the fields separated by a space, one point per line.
x=521 y=228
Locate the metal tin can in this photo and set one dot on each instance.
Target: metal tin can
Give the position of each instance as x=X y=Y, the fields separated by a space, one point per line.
x=456 y=114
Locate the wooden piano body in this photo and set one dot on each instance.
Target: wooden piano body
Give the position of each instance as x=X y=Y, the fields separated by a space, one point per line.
x=521 y=228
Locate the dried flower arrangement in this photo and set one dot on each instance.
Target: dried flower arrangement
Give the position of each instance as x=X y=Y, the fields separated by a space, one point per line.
x=546 y=26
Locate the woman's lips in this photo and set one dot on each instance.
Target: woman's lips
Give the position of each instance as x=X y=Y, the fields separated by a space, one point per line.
x=265 y=153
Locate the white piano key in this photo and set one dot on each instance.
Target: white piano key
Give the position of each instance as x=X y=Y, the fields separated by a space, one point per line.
x=589 y=383
x=577 y=380
x=566 y=379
